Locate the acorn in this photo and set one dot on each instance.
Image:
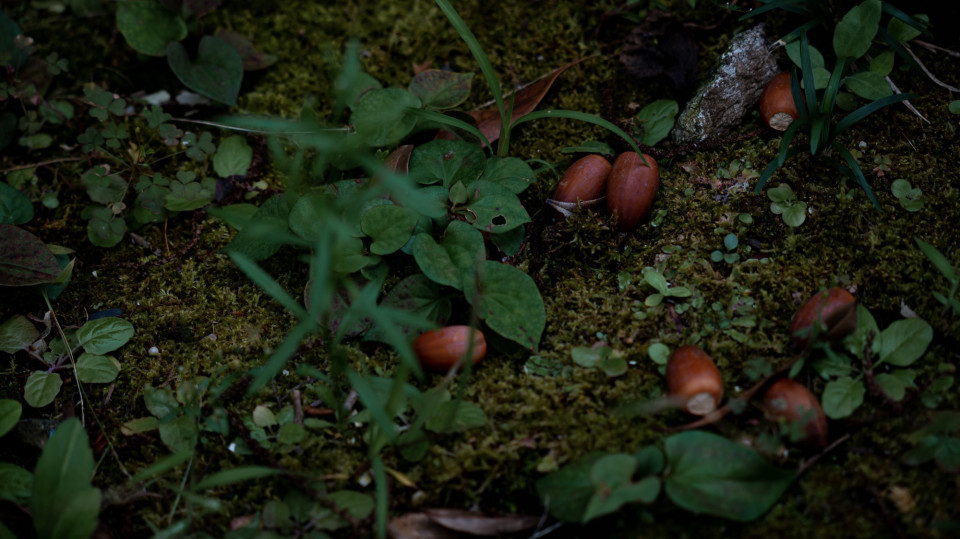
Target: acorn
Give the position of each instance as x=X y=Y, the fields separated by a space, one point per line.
x=583 y=185
x=789 y=400
x=777 y=108
x=441 y=349
x=631 y=189
x=834 y=310
x=695 y=379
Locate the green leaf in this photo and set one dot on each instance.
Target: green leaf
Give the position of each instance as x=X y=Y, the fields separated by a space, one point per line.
x=842 y=396
x=180 y=434
x=41 y=388
x=65 y=504
x=902 y=31
x=234 y=475
x=882 y=64
x=567 y=492
x=419 y=296
x=390 y=227
x=895 y=384
x=493 y=208
x=17 y=333
x=440 y=89
x=509 y=302
x=233 y=157
x=659 y=353
x=381 y=118
x=262 y=235
x=511 y=173
x=97 y=369
x=610 y=476
x=104 y=228
x=656 y=279
x=291 y=433
x=16 y=485
x=24 y=259
x=10 y=411
x=139 y=425
x=10 y=49
x=713 y=475
x=954 y=107
x=148 y=27
x=855 y=31
x=456 y=416
x=939 y=261
x=454 y=261
x=795 y=214
x=15 y=207
x=904 y=341
x=657 y=120
x=868 y=85
x=105 y=335
x=447 y=161
x=160 y=402
x=216 y=72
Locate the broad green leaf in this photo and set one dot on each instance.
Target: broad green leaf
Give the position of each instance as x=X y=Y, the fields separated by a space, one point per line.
x=447 y=162
x=291 y=433
x=263 y=416
x=41 y=388
x=440 y=89
x=613 y=488
x=795 y=214
x=17 y=333
x=902 y=31
x=390 y=227
x=215 y=72
x=713 y=475
x=309 y=216
x=511 y=241
x=148 y=26
x=866 y=329
x=92 y=368
x=947 y=454
x=657 y=120
x=64 y=502
x=493 y=208
x=190 y=196
x=160 y=402
x=511 y=173
x=16 y=485
x=233 y=157
x=567 y=492
x=456 y=416
x=855 y=31
x=15 y=207
x=842 y=396
x=105 y=229
x=455 y=260
x=882 y=64
x=587 y=356
x=419 y=296
x=234 y=475
x=235 y=215
x=105 y=335
x=10 y=411
x=10 y=50
x=509 y=302
x=180 y=434
x=24 y=259
x=904 y=341
x=262 y=235
x=650 y=460
x=659 y=353
x=381 y=118
x=103 y=187
x=139 y=425
x=895 y=384
x=656 y=279
x=868 y=85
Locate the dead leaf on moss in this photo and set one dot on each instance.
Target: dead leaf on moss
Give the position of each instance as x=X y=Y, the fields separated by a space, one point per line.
x=477 y=523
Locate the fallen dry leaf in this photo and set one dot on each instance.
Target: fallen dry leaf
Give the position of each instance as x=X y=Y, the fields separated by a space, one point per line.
x=476 y=523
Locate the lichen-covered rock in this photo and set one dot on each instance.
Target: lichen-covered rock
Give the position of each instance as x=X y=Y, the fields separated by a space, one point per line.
x=735 y=85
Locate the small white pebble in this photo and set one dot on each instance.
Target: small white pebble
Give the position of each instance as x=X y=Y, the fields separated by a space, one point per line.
x=232 y=448
x=863 y=144
x=286 y=372
x=365 y=480
x=154 y=351
x=94 y=272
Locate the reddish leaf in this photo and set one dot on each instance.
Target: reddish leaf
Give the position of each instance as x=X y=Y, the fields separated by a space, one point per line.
x=24 y=258
x=252 y=58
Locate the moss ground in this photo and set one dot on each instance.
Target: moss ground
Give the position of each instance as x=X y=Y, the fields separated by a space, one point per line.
x=207 y=319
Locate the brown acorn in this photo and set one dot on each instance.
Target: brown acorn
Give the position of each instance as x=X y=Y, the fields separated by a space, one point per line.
x=440 y=349
x=789 y=400
x=583 y=184
x=695 y=379
x=777 y=108
x=631 y=189
x=834 y=310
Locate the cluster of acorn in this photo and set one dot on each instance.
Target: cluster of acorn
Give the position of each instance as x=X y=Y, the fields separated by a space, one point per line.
x=628 y=186
x=694 y=380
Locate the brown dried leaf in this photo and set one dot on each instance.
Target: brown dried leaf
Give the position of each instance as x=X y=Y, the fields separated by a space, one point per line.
x=476 y=523
x=418 y=526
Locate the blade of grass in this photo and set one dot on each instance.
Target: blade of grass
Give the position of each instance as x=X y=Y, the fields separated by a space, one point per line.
x=869 y=109
x=281 y=355
x=583 y=117
x=857 y=173
x=268 y=284
x=441 y=118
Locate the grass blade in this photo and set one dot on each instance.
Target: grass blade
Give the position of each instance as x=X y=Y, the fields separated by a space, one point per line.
x=281 y=355
x=939 y=261
x=441 y=118
x=583 y=117
x=164 y=464
x=234 y=475
x=869 y=109
x=857 y=173
x=268 y=284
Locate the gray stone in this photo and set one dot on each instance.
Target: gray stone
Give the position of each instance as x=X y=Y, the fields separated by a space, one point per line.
x=734 y=87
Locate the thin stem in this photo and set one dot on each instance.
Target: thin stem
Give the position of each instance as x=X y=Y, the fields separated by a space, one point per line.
x=41 y=164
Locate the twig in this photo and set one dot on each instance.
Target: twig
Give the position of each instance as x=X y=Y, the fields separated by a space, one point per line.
x=41 y=164
x=927 y=71
x=906 y=102
x=936 y=48
x=805 y=465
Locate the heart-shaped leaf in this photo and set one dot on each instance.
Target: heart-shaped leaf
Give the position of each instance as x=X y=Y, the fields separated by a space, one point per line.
x=441 y=89
x=509 y=302
x=24 y=259
x=15 y=207
x=447 y=161
x=216 y=72
x=148 y=26
x=453 y=261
